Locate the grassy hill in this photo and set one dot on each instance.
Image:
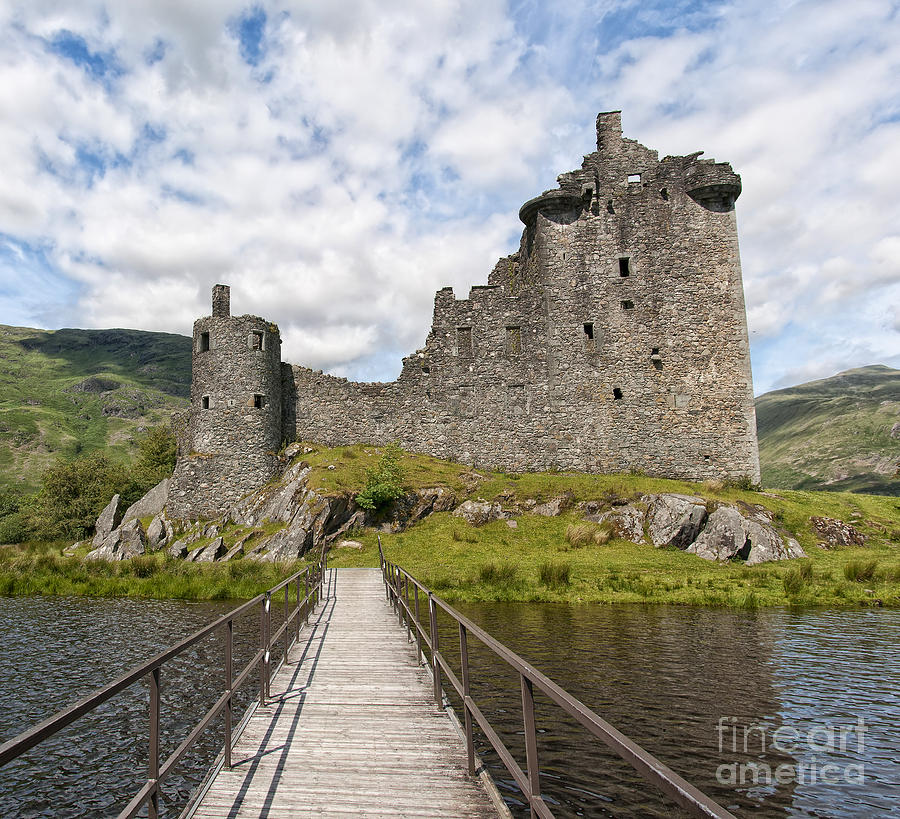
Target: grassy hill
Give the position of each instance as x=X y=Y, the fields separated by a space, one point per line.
x=65 y=392
x=839 y=433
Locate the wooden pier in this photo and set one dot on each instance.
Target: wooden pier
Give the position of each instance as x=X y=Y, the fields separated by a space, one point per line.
x=350 y=727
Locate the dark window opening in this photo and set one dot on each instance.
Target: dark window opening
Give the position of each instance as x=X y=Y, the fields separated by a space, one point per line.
x=609 y=206
x=513 y=340
x=589 y=330
x=627 y=304
x=706 y=459
x=655 y=358
x=256 y=340
x=624 y=267
x=617 y=393
x=204 y=342
x=204 y=402
x=259 y=401
x=426 y=370
x=464 y=341
x=664 y=193
x=428 y=394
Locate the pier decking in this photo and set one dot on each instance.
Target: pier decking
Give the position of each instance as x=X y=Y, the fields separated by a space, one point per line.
x=350 y=728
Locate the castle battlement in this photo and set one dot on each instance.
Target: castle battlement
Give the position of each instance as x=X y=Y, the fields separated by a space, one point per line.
x=614 y=338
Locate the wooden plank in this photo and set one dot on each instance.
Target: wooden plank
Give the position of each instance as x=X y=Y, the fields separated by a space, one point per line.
x=351 y=728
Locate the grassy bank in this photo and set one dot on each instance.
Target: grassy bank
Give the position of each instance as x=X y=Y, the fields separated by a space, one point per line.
x=42 y=568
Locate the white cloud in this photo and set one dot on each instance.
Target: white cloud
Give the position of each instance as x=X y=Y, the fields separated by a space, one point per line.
x=380 y=150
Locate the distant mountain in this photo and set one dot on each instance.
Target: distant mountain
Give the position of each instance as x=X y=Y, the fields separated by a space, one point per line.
x=71 y=391
x=840 y=433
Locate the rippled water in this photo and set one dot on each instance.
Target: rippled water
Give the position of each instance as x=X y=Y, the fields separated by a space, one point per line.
x=705 y=691
x=684 y=683
x=57 y=650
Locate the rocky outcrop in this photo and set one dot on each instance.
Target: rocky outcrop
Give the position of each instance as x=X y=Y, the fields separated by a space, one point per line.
x=555 y=507
x=723 y=537
x=127 y=541
x=151 y=504
x=106 y=522
x=835 y=533
x=214 y=551
x=478 y=513
x=675 y=520
x=626 y=522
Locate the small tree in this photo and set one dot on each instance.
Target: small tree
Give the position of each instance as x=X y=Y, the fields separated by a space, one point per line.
x=156 y=457
x=384 y=482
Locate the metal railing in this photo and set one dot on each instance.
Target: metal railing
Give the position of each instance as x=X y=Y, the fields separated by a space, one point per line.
x=308 y=583
x=404 y=592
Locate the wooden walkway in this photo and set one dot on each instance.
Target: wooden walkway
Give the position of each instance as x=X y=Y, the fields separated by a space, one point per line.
x=351 y=728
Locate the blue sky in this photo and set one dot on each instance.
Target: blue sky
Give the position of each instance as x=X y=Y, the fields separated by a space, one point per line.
x=338 y=163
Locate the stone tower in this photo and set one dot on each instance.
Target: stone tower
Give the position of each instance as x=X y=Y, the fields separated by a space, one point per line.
x=229 y=446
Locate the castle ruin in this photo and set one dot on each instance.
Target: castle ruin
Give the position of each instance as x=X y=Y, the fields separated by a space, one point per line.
x=614 y=339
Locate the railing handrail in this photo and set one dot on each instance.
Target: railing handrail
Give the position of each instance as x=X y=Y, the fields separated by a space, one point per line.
x=314 y=581
x=397 y=579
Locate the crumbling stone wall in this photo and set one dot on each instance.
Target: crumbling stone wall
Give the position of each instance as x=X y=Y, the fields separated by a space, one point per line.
x=614 y=339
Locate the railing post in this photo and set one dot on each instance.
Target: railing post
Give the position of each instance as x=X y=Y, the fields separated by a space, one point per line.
x=464 y=663
x=287 y=621
x=153 y=757
x=229 y=679
x=263 y=645
x=306 y=597
x=418 y=627
x=400 y=612
x=268 y=653
x=406 y=597
x=435 y=665
x=531 y=752
x=299 y=615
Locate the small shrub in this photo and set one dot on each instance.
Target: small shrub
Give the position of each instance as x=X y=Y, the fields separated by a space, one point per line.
x=554 y=575
x=744 y=482
x=464 y=537
x=497 y=574
x=384 y=482
x=860 y=571
x=805 y=570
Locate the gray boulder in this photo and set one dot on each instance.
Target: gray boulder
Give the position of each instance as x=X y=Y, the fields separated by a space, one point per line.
x=127 y=541
x=151 y=504
x=159 y=532
x=836 y=533
x=428 y=501
x=214 y=551
x=554 y=507
x=627 y=522
x=728 y=535
x=478 y=513
x=178 y=550
x=674 y=520
x=723 y=537
x=106 y=522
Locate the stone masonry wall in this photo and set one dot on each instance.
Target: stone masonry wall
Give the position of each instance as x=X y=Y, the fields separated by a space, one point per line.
x=614 y=339
x=231 y=443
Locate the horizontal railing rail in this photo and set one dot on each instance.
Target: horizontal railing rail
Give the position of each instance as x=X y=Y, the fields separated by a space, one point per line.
x=308 y=585
x=404 y=591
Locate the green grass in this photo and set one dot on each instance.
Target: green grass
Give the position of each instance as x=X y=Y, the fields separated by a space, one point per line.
x=833 y=434
x=43 y=569
x=42 y=418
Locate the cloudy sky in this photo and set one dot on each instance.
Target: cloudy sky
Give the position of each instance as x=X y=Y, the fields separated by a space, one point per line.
x=337 y=162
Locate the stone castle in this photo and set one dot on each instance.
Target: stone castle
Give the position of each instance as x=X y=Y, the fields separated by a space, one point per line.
x=614 y=339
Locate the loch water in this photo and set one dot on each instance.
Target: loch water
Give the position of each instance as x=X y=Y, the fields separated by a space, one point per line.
x=710 y=692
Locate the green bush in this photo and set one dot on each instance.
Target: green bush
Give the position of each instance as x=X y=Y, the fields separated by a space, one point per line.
x=14 y=528
x=156 y=457
x=794 y=582
x=384 y=482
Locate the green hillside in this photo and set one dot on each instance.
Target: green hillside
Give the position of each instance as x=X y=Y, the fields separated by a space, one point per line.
x=840 y=433
x=66 y=392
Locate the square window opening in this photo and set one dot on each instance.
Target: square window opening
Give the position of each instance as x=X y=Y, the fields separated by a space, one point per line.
x=589 y=330
x=624 y=267
x=617 y=393
x=256 y=340
x=204 y=402
x=627 y=304
x=204 y=342
x=259 y=401
x=634 y=178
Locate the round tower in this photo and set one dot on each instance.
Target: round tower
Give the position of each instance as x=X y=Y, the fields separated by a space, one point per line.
x=235 y=428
